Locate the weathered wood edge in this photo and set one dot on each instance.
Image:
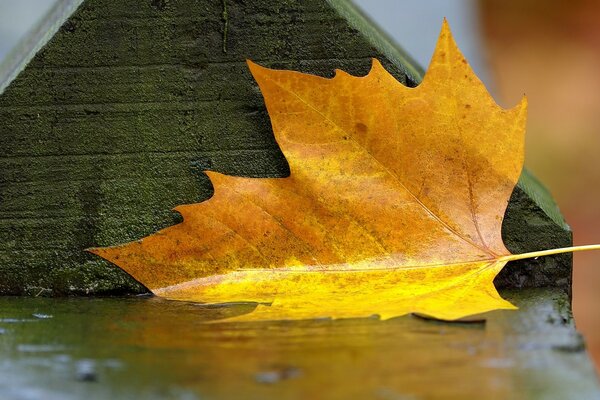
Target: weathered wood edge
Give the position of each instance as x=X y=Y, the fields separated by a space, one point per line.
x=18 y=58
x=542 y=197
x=379 y=39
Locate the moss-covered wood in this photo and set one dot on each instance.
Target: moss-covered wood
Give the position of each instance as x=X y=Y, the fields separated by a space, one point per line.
x=112 y=108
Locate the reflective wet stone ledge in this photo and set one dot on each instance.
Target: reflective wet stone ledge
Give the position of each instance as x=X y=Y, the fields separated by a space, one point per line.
x=145 y=347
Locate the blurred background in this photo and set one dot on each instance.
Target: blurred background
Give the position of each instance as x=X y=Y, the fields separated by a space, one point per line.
x=547 y=50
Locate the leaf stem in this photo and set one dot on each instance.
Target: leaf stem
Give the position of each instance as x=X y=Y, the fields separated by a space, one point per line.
x=534 y=254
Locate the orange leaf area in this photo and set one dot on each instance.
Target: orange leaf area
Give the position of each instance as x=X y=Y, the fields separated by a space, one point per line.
x=394 y=203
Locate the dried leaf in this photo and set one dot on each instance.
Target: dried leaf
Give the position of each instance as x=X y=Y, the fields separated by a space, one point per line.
x=394 y=203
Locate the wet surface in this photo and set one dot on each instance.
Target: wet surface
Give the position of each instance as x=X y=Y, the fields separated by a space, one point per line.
x=144 y=347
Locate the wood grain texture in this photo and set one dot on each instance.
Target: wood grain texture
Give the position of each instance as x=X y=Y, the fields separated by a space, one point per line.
x=109 y=125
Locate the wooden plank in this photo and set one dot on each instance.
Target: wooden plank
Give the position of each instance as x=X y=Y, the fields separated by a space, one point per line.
x=111 y=109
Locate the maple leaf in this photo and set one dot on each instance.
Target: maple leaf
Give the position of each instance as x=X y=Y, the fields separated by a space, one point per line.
x=394 y=203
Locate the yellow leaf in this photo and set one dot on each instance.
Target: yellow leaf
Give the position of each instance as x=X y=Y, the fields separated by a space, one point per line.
x=394 y=203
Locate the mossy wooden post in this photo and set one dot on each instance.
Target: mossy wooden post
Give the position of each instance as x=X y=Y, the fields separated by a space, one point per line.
x=111 y=109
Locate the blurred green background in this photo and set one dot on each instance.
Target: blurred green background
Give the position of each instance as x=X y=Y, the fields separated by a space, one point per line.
x=548 y=50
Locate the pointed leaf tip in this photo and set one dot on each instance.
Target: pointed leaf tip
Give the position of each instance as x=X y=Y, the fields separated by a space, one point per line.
x=523 y=104
x=255 y=68
x=446 y=41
